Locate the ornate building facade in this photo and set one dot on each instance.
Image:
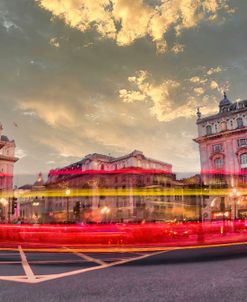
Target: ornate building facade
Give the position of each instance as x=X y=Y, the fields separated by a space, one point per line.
x=222 y=140
x=7 y=161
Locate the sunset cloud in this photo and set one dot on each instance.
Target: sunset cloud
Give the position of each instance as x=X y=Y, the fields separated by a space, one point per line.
x=214 y=70
x=83 y=76
x=126 y=20
x=159 y=95
x=171 y=99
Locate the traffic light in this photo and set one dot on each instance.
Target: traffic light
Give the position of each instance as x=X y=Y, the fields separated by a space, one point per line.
x=14 y=205
x=77 y=208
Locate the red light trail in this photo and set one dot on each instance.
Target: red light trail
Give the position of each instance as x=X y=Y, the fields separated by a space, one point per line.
x=122 y=235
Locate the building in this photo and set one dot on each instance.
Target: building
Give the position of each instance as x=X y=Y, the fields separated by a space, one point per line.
x=222 y=140
x=7 y=161
x=100 y=188
x=32 y=206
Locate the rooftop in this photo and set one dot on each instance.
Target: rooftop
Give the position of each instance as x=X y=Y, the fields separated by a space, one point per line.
x=226 y=108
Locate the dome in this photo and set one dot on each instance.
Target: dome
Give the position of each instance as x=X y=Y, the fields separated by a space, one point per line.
x=225 y=101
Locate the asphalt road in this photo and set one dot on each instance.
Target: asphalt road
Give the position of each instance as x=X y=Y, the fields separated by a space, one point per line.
x=209 y=274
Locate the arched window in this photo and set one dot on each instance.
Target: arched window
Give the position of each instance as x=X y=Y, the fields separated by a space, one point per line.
x=219 y=163
x=208 y=130
x=240 y=123
x=243 y=160
x=102 y=167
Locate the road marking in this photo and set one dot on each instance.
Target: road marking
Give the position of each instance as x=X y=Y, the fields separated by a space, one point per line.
x=76 y=272
x=27 y=269
x=29 y=278
x=88 y=258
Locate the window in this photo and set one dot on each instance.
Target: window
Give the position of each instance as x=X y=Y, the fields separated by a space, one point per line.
x=208 y=130
x=223 y=126
x=219 y=163
x=243 y=160
x=240 y=123
x=242 y=142
x=217 y=148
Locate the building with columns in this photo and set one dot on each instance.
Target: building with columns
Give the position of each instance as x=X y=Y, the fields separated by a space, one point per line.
x=222 y=140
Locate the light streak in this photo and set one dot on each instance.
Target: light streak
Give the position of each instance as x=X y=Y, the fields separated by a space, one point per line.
x=123 y=235
x=77 y=192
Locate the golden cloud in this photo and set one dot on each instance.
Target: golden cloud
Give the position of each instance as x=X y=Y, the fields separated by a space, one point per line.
x=165 y=96
x=128 y=20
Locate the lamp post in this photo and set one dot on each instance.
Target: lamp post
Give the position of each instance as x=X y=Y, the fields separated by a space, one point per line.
x=3 y=203
x=105 y=211
x=67 y=192
x=234 y=195
x=36 y=209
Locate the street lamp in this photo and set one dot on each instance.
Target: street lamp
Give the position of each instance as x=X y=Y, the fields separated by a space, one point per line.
x=105 y=211
x=67 y=192
x=4 y=203
x=234 y=195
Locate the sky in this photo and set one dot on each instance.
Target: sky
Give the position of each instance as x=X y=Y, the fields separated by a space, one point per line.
x=112 y=76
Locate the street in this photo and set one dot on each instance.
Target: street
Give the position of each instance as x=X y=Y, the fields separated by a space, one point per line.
x=205 y=274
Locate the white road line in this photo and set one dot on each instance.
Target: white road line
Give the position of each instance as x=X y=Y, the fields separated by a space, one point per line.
x=44 y=278
x=27 y=269
x=88 y=258
x=30 y=278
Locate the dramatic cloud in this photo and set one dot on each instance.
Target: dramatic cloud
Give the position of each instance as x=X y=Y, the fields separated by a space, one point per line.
x=165 y=97
x=126 y=20
x=73 y=87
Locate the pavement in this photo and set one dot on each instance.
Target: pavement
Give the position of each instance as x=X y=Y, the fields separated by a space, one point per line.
x=198 y=274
